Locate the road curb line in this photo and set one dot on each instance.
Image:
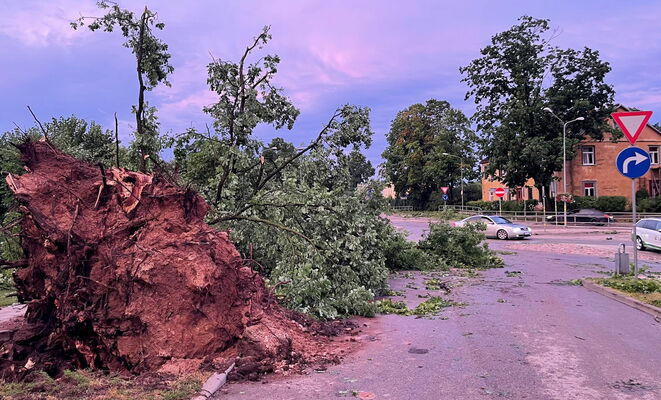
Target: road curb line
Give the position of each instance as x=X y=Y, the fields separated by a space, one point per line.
x=630 y=301
x=213 y=384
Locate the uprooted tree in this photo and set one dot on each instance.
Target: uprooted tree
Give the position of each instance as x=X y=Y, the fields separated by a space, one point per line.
x=122 y=273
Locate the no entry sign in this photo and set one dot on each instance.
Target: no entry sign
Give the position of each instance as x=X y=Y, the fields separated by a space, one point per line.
x=500 y=192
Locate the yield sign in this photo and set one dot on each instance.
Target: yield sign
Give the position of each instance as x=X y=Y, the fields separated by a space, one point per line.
x=445 y=189
x=632 y=123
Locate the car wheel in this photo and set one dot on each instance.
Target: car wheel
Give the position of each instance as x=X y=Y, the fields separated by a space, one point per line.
x=640 y=245
x=501 y=234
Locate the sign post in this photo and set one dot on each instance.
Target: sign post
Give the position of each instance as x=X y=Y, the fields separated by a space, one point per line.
x=445 y=197
x=500 y=192
x=633 y=162
x=543 y=206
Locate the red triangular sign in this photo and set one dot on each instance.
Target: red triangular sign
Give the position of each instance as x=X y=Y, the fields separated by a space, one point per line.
x=632 y=123
x=445 y=189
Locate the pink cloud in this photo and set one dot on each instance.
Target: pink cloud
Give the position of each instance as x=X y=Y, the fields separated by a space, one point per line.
x=43 y=23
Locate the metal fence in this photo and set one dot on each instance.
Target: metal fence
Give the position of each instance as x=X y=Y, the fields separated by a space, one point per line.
x=461 y=209
x=619 y=218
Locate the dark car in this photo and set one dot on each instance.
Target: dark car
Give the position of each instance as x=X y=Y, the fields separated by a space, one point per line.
x=585 y=215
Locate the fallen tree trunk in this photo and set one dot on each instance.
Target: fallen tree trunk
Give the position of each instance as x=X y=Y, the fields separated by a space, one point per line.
x=123 y=274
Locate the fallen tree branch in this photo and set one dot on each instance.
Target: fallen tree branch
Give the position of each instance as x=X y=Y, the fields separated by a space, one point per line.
x=270 y=223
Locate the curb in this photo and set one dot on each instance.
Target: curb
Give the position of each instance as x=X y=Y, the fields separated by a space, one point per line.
x=618 y=296
x=211 y=386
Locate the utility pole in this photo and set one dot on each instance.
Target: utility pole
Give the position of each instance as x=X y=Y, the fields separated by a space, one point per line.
x=564 y=157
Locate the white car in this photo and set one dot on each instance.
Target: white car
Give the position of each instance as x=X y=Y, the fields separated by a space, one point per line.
x=498 y=227
x=648 y=233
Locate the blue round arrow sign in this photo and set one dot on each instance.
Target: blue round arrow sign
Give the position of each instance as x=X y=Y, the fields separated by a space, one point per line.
x=445 y=197
x=633 y=162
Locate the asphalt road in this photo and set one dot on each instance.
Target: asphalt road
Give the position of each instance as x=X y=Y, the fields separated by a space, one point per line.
x=527 y=335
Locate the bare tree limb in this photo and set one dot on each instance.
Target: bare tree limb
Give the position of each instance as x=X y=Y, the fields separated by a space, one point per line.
x=270 y=223
x=39 y=122
x=141 y=93
x=116 y=141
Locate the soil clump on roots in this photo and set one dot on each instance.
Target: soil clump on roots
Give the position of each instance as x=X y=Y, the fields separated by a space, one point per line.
x=122 y=274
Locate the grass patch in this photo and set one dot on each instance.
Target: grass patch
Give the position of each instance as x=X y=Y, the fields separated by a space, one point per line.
x=89 y=385
x=630 y=284
x=6 y=301
x=182 y=390
x=645 y=290
x=78 y=378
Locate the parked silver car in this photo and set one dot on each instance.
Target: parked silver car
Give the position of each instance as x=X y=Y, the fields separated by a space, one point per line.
x=498 y=227
x=648 y=234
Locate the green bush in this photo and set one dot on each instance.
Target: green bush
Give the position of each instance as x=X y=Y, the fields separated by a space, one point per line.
x=601 y=203
x=642 y=194
x=508 y=205
x=611 y=203
x=460 y=247
x=649 y=205
x=582 y=202
x=480 y=204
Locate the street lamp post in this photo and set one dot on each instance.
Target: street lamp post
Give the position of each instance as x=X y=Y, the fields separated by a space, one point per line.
x=564 y=156
x=461 y=171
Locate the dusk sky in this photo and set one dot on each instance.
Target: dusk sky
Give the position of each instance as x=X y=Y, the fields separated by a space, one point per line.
x=382 y=54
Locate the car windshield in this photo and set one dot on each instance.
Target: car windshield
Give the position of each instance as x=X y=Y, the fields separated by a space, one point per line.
x=500 y=220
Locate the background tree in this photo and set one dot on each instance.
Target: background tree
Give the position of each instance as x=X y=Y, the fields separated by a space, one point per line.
x=518 y=75
x=359 y=168
x=83 y=140
x=418 y=137
x=152 y=67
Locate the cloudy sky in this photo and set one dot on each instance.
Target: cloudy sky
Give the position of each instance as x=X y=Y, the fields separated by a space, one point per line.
x=384 y=54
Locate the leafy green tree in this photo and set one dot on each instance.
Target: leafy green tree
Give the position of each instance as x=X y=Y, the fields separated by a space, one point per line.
x=289 y=210
x=83 y=140
x=153 y=68
x=518 y=75
x=428 y=145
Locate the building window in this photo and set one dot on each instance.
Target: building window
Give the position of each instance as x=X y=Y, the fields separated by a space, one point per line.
x=588 y=155
x=589 y=189
x=654 y=154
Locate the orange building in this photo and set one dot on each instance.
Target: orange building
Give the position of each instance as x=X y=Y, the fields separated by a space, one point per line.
x=593 y=172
